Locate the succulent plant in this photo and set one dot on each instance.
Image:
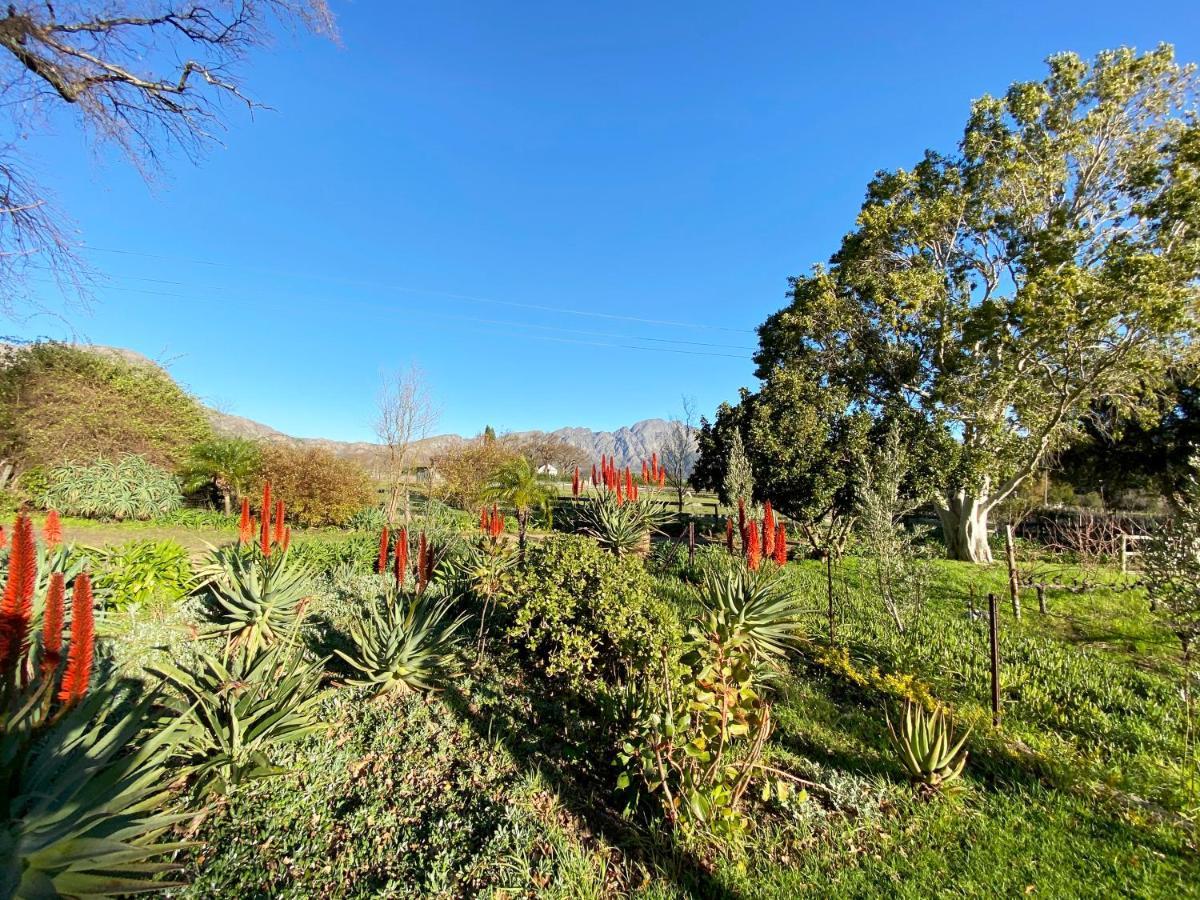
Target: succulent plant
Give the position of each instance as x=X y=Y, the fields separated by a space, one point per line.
x=928 y=747
x=82 y=770
x=760 y=605
x=405 y=643
x=251 y=598
x=619 y=525
x=241 y=706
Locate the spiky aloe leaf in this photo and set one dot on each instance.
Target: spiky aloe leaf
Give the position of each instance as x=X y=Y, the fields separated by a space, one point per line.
x=404 y=644
x=928 y=748
x=83 y=800
x=242 y=706
x=251 y=599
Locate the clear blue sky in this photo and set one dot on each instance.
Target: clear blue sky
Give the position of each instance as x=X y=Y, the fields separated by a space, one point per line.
x=642 y=161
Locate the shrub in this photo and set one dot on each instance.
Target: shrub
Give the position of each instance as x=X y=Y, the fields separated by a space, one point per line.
x=61 y=404
x=323 y=555
x=321 y=488
x=465 y=471
x=588 y=616
x=131 y=488
x=140 y=573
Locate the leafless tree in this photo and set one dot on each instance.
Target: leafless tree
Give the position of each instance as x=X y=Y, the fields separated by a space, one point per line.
x=678 y=451
x=147 y=76
x=406 y=413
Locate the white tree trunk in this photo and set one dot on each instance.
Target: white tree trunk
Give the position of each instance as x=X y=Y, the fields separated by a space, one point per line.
x=964 y=526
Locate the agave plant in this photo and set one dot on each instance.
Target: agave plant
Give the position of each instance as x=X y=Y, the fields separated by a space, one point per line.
x=130 y=488
x=760 y=605
x=251 y=598
x=621 y=526
x=929 y=750
x=241 y=706
x=406 y=643
x=82 y=778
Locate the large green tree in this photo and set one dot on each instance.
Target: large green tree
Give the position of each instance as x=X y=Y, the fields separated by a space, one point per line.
x=1000 y=291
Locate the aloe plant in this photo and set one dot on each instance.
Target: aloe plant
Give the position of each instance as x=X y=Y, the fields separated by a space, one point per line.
x=242 y=706
x=621 y=526
x=760 y=605
x=928 y=747
x=253 y=599
x=83 y=782
x=130 y=488
x=405 y=644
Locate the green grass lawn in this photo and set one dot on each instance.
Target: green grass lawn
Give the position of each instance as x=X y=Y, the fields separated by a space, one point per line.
x=494 y=789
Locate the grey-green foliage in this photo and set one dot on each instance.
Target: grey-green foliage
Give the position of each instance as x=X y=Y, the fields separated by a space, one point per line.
x=130 y=488
x=241 y=706
x=739 y=480
x=1172 y=566
x=881 y=501
x=765 y=609
x=83 y=800
x=927 y=745
x=621 y=527
x=406 y=643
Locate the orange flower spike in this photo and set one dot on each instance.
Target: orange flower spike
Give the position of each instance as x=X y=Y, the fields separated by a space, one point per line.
x=781 y=552
x=729 y=534
x=16 y=607
x=245 y=524
x=381 y=564
x=401 y=557
x=52 y=624
x=753 y=551
x=52 y=529
x=79 y=655
x=264 y=533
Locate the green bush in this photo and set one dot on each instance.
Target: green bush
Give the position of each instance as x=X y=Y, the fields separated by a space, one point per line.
x=323 y=555
x=61 y=404
x=318 y=487
x=141 y=573
x=588 y=617
x=131 y=488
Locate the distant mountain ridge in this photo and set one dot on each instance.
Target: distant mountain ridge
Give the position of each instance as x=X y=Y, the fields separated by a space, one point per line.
x=628 y=445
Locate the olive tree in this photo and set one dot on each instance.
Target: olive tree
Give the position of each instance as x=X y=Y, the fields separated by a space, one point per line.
x=998 y=291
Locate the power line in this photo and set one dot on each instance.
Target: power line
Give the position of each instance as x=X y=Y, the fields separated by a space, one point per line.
x=476 y=319
x=432 y=293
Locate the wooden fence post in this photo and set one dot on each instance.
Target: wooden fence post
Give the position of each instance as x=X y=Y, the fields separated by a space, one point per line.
x=994 y=622
x=1041 y=594
x=691 y=543
x=829 y=588
x=1014 y=583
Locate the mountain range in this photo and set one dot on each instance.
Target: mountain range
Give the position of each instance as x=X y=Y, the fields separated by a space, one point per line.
x=628 y=445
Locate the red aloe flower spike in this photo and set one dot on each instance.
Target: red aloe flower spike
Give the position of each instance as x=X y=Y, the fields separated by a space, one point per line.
x=753 y=552
x=781 y=545
x=635 y=491
x=401 y=557
x=246 y=524
x=287 y=537
x=16 y=607
x=484 y=520
x=381 y=565
x=628 y=483
x=654 y=464
x=264 y=533
x=662 y=477
x=52 y=529
x=768 y=540
x=52 y=624
x=595 y=481
x=575 y=483
x=620 y=495
x=729 y=534
x=79 y=655
x=279 y=510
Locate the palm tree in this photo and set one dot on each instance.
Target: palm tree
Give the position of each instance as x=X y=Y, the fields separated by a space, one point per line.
x=228 y=464
x=516 y=484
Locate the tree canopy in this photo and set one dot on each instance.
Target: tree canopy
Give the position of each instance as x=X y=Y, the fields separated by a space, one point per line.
x=997 y=292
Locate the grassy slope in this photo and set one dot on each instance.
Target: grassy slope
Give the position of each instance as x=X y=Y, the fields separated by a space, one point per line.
x=495 y=790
